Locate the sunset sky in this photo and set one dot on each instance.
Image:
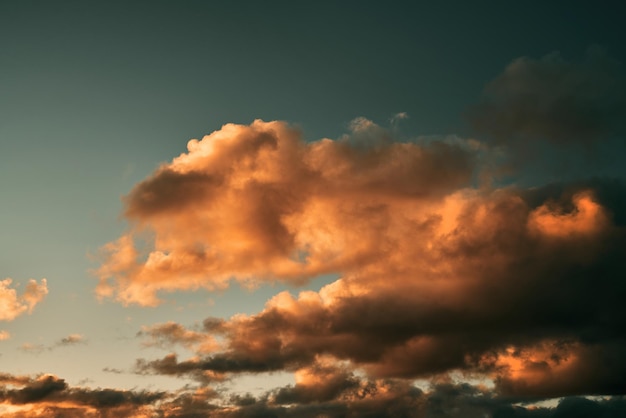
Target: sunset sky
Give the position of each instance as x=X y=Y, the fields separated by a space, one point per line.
x=312 y=209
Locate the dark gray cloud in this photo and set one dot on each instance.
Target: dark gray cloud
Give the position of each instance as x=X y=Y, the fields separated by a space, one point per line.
x=392 y=399
x=552 y=99
x=256 y=202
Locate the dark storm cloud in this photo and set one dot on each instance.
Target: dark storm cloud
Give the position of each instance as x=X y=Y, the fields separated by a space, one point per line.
x=170 y=333
x=71 y=339
x=554 y=100
x=14 y=305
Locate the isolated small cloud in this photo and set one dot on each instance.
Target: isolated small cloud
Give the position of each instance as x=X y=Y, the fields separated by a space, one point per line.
x=4 y=335
x=170 y=334
x=113 y=370
x=519 y=288
x=395 y=119
x=32 y=348
x=50 y=396
x=70 y=340
x=12 y=305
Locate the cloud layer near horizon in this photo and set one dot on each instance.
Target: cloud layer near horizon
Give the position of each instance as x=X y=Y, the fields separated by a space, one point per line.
x=321 y=391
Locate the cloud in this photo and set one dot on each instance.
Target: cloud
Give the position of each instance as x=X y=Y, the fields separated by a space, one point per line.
x=50 y=396
x=170 y=333
x=258 y=203
x=12 y=305
x=551 y=99
x=515 y=287
x=319 y=382
x=32 y=348
x=553 y=369
x=4 y=335
x=519 y=286
x=70 y=340
x=112 y=370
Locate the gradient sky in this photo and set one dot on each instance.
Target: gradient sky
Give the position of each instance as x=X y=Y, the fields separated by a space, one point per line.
x=461 y=229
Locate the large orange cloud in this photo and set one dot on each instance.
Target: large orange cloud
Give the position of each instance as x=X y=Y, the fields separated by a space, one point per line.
x=258 y=203
x=436 y=275
x=470 y=276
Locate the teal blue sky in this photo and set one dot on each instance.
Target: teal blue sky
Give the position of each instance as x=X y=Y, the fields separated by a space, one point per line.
x=95 y=95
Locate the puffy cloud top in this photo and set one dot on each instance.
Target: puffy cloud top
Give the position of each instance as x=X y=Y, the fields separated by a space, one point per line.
x=12 y=305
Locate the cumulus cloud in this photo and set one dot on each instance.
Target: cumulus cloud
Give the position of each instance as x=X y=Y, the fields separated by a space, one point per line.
x=12 y=305
x=507 y=284
x=259 y=203
x=513 y=286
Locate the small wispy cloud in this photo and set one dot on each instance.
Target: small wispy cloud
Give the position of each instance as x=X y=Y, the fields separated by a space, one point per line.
x=70 y=340
x=32 y=348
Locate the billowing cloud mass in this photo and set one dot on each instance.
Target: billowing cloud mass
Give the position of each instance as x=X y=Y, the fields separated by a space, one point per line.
x=12 y=305
x=258 y=203
x=518 y=288
x=527 y=295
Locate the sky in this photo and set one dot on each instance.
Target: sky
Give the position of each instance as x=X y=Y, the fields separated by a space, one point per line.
x=312 y=209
